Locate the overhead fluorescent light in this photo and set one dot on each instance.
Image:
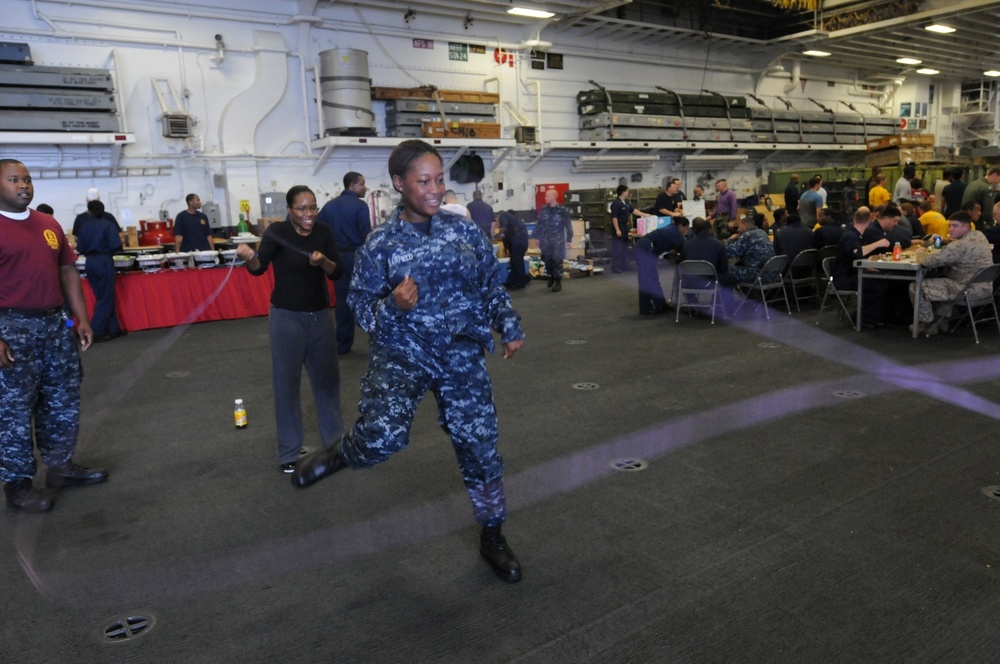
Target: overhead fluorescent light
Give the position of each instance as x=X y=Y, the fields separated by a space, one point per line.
x=701 y=158
x=909 y=61
x=605 y=163
x=940 y=29
x=530 y=13
x=928 y=71
x=816 y=54
x=993 y=73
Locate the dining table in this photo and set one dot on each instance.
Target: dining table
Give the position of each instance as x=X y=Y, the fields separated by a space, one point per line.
x=908 y=267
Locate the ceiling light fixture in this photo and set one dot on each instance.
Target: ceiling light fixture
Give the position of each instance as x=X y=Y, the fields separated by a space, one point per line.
x=993 y=73
x=940 y=29
x=909 y=61
x=928 y=71
x=530 y=13
x=816 y=54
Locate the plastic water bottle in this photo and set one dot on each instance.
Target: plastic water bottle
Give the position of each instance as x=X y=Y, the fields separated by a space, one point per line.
x=240 y=415
x=897 y=252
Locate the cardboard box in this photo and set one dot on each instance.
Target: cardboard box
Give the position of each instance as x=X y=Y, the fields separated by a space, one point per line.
x=461 y=130
x=900 y=140
x=131 y=236
x=900 y=156
x=472 y=97
x=264 y=222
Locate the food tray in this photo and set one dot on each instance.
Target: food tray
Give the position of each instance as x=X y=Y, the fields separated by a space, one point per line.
x=123 y=261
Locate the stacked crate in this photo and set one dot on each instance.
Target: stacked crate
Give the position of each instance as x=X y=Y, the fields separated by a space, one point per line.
x=35 y=98
x=429 y=113
x=902 y=148
x=665 y=116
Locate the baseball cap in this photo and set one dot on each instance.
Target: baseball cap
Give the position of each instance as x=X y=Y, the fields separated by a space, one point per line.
x=93 y=194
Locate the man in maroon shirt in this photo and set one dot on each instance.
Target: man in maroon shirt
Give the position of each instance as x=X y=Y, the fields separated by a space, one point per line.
x=40 y=370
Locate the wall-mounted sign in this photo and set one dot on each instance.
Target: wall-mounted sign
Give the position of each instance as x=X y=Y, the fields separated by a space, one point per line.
x=423 y=43
x=480 y=50
x=458 y=51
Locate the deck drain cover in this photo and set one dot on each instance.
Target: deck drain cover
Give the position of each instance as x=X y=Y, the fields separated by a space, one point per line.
x=178 y=374
x=629 y=465
x=568 y=315
x=575 y=342
x=848 y=394
x=992 y=492
x=127 y=628
x=585 y=386
x=769 y=344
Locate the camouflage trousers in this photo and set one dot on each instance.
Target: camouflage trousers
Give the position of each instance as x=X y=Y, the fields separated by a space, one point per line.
x=393 y=387
x=936 y=295
x=43 y=386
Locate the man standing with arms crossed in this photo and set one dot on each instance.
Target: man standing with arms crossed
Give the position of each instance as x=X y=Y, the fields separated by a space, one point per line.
x=40 y=371
x=350 y=219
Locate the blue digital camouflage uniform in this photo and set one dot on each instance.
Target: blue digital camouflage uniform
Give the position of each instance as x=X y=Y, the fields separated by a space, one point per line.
x=753 y=249
x=43 y=384
x=438 y=345
x=554 y=230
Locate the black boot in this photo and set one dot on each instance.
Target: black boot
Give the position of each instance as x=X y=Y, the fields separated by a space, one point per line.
x=21 y=495
x=316 y=466
x=552 y=280
x=494 y=550
x=70 y=474
x=558 y=286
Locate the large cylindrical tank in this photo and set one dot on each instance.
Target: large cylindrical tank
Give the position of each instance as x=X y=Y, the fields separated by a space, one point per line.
x=346 y=92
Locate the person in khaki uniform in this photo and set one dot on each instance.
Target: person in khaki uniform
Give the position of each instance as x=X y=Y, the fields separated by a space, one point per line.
x=962 y=258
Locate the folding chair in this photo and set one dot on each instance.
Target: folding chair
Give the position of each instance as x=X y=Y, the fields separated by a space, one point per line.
x=801 y=273
x=768 y=279
x=697 y=279
x=839 y=294
x=981 y=309
x=827 y=251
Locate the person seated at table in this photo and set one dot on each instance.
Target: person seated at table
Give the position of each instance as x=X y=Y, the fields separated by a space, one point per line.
x=975 y=212
x=191 y=229
x=646 y=252
x=793 y=239
x=932 y=221
x=961 y=259
x=887 y=226
x=98 y=241
x=704 y=246
x=910 y=218
x=304 y=255
x=845 y=276
x=751 y=248
x=828 y=233
x=992 y=234
x=896 y=310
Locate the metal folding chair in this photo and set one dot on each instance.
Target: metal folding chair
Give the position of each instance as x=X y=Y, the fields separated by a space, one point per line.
x=982 y=309
x=840 y=295
x=768 y=280
x=698 y=280
x=801 y=274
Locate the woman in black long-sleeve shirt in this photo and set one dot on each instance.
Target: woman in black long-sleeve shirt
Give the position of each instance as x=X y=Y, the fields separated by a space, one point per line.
x=304 y=257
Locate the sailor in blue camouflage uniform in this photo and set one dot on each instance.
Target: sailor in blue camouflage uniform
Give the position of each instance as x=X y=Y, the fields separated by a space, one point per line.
x=752 y=249
x=40 y=371
x=554 y=231
x=427 y=289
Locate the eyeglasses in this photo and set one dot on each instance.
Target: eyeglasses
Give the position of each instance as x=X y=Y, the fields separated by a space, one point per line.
x=306 y=208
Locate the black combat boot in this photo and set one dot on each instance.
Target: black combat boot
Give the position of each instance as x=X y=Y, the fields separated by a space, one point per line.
x=493 y=547
x=21 y=495
x=70 y=474
x=316 y=466
x=558 y=286
x=552 y=280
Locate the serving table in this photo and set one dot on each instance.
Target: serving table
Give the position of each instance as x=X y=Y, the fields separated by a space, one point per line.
x=173 y=297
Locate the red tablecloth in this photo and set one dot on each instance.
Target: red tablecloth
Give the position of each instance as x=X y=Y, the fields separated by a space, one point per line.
x=173 y=297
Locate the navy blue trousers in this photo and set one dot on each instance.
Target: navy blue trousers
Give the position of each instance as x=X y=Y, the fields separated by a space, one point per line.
x=101 y=275
x=304 y=338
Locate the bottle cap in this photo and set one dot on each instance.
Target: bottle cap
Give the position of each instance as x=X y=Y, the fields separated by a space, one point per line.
x=239 y=401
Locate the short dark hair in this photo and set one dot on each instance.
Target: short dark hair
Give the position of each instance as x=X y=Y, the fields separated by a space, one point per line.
x=351 y=178
x=790 y=219
x=96 y=208
x=909 y=171
x=622 y=188
x=406 y=153
x=814 y=180
x=46 y=208
x=190 y=197
x=961 y=217
x=295 y=192
x=889 y=210
x=681 y=221
x=701 y=225
x=968 y=206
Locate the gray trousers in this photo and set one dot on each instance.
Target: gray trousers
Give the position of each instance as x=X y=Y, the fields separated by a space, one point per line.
x=304 y=338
